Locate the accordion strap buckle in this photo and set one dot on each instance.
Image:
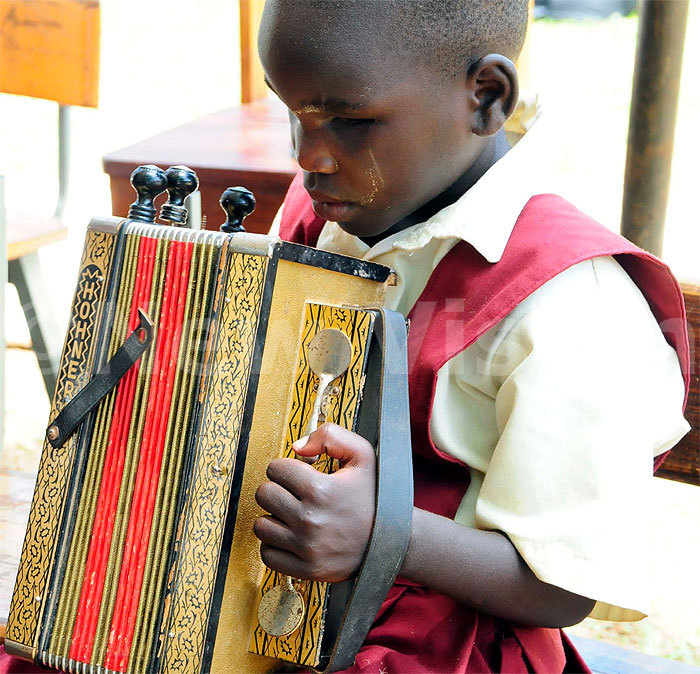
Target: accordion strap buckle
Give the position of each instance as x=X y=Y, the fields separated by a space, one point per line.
x=70 y=417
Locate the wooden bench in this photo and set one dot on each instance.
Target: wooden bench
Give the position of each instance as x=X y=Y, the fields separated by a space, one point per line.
x=683 y=463
x=604 y=658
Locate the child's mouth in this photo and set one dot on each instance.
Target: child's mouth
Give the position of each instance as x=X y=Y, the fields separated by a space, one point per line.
x=336 y=211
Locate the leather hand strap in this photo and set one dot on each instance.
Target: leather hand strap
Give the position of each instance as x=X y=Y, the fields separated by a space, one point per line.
x=394 y=500
x=102 y=383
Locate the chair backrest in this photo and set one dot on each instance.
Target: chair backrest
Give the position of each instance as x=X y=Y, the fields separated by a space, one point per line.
x=50 y=49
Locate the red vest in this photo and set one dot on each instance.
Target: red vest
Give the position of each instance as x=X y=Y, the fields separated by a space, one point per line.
x=417 y=629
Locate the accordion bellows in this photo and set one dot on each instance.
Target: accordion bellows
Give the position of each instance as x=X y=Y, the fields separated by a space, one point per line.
x=140 y=554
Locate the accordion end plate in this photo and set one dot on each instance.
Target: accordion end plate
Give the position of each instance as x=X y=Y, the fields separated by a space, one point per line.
x=254 y=244
x=107 y=225
x=19 y=650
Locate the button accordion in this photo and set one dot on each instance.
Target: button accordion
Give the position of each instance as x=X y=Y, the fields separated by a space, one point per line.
x=192 y=359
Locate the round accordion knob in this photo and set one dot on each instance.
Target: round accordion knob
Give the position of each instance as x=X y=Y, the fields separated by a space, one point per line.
x=238 y=203
x=148 y=181
x=182 y=181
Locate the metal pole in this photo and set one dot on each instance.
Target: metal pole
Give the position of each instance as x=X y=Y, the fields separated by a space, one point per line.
x=657 y=75
x=63 y=158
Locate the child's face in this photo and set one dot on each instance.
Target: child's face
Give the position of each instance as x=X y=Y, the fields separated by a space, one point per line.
x=377 y=137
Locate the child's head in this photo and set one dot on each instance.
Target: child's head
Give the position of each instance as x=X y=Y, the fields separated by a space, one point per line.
x=391 y=101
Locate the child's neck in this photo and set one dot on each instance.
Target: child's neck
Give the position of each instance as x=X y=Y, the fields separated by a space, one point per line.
x=496 y=147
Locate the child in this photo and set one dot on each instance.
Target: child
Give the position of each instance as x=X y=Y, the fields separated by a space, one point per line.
x=541 y=384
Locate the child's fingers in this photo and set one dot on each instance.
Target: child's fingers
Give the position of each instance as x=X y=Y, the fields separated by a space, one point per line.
x=297 y=477
x=278 y=501
x=283 y=561
x=339 y=443
x=298 y=445
x=275 y=533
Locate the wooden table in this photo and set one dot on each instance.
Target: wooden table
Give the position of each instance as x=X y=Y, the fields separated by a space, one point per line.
x=248 y=145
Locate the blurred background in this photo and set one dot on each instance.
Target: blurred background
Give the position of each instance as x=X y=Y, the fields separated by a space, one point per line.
x=164 y=63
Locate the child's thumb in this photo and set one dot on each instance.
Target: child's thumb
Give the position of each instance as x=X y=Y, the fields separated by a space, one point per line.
x=338 y=443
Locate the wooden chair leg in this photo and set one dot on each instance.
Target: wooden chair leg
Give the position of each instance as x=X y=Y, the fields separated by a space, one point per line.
x=26 y=275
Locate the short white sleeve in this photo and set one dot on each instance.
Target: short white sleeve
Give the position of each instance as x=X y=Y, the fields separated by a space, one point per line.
x=276 y=222
x=585 y=392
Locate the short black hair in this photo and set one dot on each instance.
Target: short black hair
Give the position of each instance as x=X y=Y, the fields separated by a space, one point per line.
x=446 y=36
x=451 y=35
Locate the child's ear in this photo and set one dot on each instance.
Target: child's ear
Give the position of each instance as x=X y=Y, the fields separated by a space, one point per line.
x=493 y=87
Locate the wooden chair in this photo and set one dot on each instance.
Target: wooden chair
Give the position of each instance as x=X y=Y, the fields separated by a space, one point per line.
x=49 y=50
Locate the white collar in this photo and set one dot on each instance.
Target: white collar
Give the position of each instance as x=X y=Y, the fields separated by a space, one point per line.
x=484 y=216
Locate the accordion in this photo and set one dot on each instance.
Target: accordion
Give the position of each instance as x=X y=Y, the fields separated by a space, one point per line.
x=192 y=359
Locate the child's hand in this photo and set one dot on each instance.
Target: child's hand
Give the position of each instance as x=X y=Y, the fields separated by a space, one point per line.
x=319 y=525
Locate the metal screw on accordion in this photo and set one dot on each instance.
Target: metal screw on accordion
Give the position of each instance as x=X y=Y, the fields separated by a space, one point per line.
x=238 y=203
x=148 y=181
x=182 y=181
x=52 y=432
x=219 y=471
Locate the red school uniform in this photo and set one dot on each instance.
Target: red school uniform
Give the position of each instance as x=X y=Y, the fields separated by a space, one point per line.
x=418 y=629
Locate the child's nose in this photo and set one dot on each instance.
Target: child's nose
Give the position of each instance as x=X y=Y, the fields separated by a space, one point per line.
x=312 y=154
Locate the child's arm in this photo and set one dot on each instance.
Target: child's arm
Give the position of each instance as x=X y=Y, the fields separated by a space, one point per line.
x=320 y=525
x=484 y=570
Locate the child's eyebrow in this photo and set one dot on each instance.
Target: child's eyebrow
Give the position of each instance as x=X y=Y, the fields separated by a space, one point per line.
x=332 y=105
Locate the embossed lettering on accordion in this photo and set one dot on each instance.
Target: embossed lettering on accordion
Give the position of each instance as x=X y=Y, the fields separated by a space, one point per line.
x=140 y=554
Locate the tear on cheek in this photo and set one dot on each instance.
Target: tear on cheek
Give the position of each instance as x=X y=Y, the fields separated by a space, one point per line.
x=374 y=177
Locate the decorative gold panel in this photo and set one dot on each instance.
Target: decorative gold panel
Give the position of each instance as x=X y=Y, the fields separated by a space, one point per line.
x=185 y=624
x=296 y=285
x=56 y=464
x=303 y=645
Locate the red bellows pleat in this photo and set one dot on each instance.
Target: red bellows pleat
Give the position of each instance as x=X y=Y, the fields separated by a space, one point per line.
x=103 y=525
x=152 y=448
